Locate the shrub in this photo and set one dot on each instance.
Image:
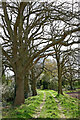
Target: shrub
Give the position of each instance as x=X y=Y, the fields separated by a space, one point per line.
x=8 y=92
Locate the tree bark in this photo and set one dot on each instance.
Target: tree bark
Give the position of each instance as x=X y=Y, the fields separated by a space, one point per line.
x=33 y=88
x=71 y=86
x=33 y=84
x=59 y=80
x=26 y=87
x=19 y=98
x=60 y=86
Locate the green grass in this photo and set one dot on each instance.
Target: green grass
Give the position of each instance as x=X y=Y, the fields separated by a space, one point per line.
x=50 y=109
x=26 y=110
x=70 y=105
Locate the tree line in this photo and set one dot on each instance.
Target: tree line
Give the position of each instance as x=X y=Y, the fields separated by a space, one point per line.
x=31 y=31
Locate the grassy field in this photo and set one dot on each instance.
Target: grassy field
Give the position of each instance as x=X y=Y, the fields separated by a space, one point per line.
x=53 y=107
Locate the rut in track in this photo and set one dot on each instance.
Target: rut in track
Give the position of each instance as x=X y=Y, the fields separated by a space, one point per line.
x=59 y=106
x=40 y=108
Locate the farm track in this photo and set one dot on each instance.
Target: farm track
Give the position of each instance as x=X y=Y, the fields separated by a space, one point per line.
x=38 y=110
x=46 y=105
x=59 y=106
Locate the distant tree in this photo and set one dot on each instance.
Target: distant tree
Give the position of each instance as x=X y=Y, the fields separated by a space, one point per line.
x=71 y=68
x=50 y=67
x=60 y=64
x=49 y=74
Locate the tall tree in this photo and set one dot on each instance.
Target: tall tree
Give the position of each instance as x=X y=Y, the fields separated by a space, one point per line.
x=71 y=67
x=23 y=24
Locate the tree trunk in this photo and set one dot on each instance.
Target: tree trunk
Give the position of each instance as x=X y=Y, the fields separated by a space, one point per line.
x=26 y=87
x=60 y=86
x=59 y=80
x=19 y=98
x=33 y=84
x=33 y=88
x=71 y=86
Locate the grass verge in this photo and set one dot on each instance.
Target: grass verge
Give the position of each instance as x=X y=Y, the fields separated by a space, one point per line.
x=70 y=105
x=26 y=110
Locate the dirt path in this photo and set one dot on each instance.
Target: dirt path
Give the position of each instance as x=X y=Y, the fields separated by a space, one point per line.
x=59 y=106
x=38 y=110
x=74 y=94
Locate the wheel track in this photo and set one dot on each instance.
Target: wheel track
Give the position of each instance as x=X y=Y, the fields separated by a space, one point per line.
x=40 y=108
x=59 y=106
